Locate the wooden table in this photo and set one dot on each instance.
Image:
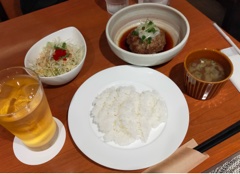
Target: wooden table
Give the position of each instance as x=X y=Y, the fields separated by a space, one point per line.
x=206 y=117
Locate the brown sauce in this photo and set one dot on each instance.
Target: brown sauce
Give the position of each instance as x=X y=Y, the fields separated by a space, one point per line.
x=123 y=41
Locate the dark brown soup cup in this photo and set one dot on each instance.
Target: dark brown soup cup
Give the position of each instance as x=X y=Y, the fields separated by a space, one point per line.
x=201 y=89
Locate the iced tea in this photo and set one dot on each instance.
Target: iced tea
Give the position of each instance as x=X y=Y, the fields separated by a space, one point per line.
x=24 y=109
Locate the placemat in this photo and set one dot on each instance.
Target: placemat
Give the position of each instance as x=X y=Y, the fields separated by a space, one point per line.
x=235 y=58
x=229 y=165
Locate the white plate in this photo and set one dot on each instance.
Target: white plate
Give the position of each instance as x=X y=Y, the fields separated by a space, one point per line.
x=165 y=140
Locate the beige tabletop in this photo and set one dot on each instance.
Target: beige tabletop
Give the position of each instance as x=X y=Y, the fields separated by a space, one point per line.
x=90 y=17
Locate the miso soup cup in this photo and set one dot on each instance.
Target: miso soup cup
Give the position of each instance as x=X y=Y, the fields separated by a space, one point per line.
x=201 y=89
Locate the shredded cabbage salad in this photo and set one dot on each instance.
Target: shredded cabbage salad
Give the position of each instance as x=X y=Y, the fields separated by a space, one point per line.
x=57 y=58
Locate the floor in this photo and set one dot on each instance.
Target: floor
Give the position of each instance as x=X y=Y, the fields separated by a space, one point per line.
x=211 y=8
x=3 y=15
x=229 y=11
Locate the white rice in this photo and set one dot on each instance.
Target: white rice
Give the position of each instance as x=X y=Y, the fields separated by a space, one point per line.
x=124 y=115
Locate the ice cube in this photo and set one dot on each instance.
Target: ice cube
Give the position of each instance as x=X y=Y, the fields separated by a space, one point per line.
x=11 y=106
x=6 y=91
x=30 y=90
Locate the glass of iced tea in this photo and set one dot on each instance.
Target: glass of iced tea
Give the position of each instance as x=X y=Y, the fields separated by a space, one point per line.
x=24 y=110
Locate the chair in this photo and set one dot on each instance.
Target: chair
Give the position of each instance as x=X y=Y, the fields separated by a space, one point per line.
x=11 y=8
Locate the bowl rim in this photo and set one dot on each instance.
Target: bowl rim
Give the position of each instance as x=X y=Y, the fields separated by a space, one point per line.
x=175 y=48
x=79 y=64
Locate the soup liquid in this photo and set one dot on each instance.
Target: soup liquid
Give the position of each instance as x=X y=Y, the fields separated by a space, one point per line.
x=207 y=70
x=25 y=112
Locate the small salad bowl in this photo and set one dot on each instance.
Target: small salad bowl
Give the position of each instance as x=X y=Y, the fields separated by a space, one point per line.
x=58 y=57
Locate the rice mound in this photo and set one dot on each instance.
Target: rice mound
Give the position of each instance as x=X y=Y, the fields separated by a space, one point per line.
x=124 y=115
